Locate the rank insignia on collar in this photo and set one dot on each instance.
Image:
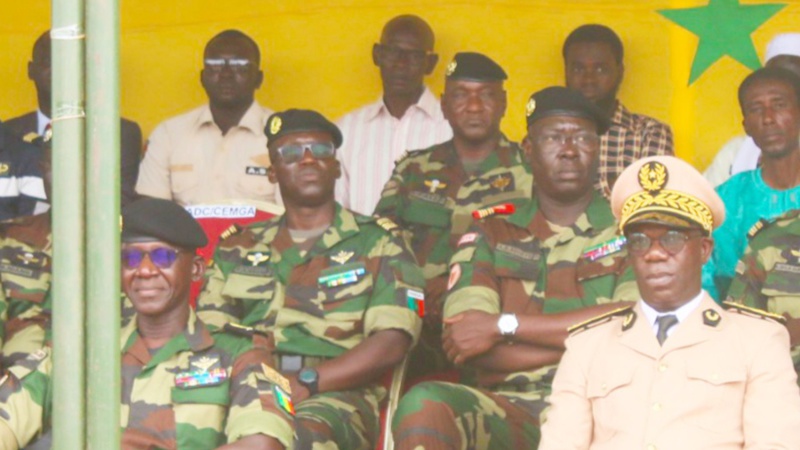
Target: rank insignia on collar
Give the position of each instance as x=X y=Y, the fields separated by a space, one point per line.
x=342 y=257
x=629 y=320
x=711 y=318
x=434 y=184
x=501 y=182
x=257 y=259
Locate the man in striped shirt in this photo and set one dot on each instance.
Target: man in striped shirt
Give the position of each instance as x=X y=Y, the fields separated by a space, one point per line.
x=406 y=117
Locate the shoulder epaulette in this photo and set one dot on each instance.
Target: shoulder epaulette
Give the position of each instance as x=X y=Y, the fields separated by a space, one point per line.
x=602 y=318
x=753 y=312
x=387 y=224
x=505 y=208
x=758 y=226
x=230 y=231
x=241 y=330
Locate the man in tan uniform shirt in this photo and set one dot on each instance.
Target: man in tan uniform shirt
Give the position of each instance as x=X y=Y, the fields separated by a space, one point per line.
x=675 y=371
x=218 y=151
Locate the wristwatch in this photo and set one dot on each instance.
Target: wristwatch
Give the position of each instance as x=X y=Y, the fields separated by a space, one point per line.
x=507 y=324
x=309 y=378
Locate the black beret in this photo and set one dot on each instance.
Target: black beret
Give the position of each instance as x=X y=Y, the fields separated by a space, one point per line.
x=161 y=220
x=297 y=120
x=475 y=67
x=561 y=101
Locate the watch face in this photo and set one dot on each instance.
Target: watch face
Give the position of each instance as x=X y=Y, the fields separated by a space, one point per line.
x=307 y=376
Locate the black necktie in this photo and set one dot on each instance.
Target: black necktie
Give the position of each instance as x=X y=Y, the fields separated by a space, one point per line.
x=665 y=323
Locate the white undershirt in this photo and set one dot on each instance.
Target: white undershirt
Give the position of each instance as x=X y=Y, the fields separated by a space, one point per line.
x=681 y=313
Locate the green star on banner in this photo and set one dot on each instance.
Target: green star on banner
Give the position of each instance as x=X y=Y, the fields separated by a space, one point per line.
x=724 y=28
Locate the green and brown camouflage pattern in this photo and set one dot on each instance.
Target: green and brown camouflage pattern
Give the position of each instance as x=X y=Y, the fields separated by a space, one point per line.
x=461 y=417
x=156 y=411
x=261 y=278
x=26 y=250
x=526 y=265
x=768 y=275
x=437 y=216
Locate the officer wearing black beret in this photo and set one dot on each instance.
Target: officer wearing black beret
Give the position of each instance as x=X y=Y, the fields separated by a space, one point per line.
x=298 y=120
x=155 y=219
x=561 y=101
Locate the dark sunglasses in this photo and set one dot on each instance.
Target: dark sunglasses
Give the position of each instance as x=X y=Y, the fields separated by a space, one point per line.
x=672 y=242
x=161 y=257
x=293 y=153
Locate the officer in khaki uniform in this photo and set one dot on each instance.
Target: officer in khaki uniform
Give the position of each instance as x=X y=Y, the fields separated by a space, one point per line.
x=768 y=275
x=676 y=371
x=185 y=386
x=333 y=287
x=517 y=283
x=433 y=193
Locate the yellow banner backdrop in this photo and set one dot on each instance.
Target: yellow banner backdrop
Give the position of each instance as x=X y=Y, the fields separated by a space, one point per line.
x=316 y=54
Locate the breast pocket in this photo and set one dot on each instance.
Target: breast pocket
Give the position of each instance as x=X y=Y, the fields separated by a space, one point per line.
x=254 y=289
x=252 y=184
x=345 y=288
x=611 y=395
x=714 y=385
x=199 y=410
x=183 y=179
x=427 y=209
x=25 y=276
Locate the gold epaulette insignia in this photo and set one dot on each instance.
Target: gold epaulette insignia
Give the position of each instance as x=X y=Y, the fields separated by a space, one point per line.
x=753 y=312
x=230 y=231
x=386 y=223
x=626 y=311
x=758 y=226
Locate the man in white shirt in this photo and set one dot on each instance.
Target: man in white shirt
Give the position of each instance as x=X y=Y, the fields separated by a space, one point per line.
x=407 y=117
x=218 y=151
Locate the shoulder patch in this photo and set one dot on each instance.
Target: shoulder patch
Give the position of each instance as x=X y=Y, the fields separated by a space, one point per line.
x=753 y=312
x=505 y=209
x=241 y=330
x=758 y=226
x=626 y=311
x=230 y=231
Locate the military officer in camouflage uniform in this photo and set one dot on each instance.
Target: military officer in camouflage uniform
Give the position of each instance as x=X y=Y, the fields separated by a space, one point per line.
x=26 y=251
x=334 y=287
x=185 y=386
x=517 y=284
x=433 y=193
x=768 y=275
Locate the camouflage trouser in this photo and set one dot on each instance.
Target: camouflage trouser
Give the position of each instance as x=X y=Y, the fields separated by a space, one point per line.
x=347 y=420
x=439 y=415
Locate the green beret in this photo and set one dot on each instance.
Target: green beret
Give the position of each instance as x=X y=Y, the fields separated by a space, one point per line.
x=156 y=219
x=474 y=67
x=299 y=120
x=560 y=101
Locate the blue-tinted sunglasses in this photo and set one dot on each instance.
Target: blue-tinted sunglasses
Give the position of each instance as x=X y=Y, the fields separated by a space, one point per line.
x=161 y=257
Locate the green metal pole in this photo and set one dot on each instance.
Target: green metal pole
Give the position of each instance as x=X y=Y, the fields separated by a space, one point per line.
x=68 y=225
x=102 y=224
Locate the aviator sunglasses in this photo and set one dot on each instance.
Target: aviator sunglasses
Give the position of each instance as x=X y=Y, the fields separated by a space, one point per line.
x=292 y=153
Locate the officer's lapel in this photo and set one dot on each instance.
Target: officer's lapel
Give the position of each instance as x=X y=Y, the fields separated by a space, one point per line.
x=695 y=329
x=639 y=336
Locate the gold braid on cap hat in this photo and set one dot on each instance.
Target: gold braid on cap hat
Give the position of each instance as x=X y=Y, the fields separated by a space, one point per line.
x=653 y=177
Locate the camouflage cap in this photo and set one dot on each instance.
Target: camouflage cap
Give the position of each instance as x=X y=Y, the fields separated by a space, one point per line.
x=155 y=219
x=474 y=67
x=561 y=101
x=299 y=120
x=667 y=191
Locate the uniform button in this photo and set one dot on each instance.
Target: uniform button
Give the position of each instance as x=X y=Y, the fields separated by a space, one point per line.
x=662 y=367
x=604 y=387
x=656 y=406
x=651 y=447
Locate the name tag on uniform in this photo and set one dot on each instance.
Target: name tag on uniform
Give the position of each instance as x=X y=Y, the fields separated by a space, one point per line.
x=204 y=370
x=341 y=275
x=256 y=170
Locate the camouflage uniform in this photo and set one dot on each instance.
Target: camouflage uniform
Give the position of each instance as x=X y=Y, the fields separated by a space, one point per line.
x=768 y=275
x=432 y=196
x=165 y=402
x=25 y=266
x=526 y=266
x=357 y=279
